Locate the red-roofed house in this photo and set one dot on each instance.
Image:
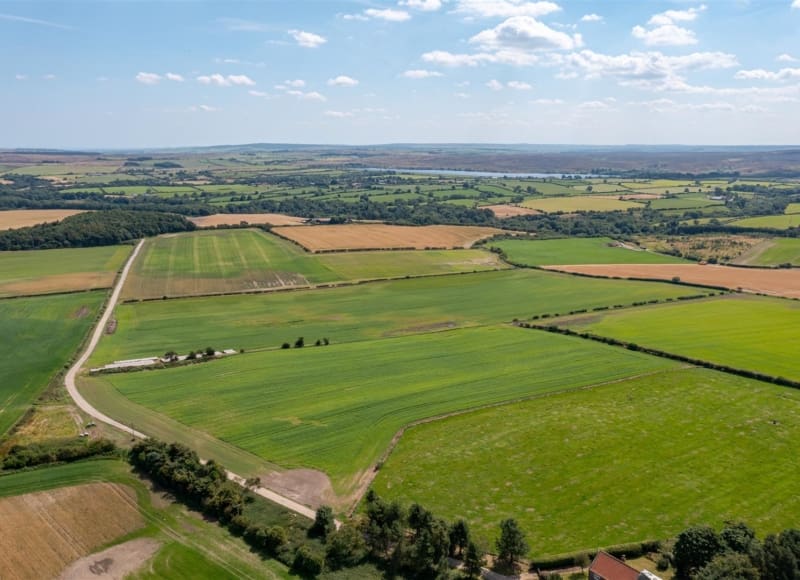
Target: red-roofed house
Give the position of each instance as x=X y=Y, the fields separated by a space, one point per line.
x=607 y=567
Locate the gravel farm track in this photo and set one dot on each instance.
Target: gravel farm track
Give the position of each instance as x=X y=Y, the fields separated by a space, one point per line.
x=86 y=407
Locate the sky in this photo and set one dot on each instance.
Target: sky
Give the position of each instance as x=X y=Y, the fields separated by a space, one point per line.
x=125 y=74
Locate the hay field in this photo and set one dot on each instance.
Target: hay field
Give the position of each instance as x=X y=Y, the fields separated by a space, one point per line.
x=275 y=219
x=22 y=218
x=363 y=312
x=773 y=252
x=67 y=270
x=337 y=408
x=384 y=237
x=636 y=460
x=746 y=332
x=776 y=222
x=578 y=251
x=579 y=203
x=505 y=211
x=773 y=282
x=41 y=533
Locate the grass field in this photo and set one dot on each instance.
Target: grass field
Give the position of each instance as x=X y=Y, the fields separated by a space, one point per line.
x=337 y=408
x=579 y=203
x=40 y=335
x=745 y=332
x=685 y=201
x=22 y=218
x=241 y=260
x=777 y=222
x=792 y=208
x=577 y=251
x=773 y=253
x=50 y=271
x=363 y=312
x=631 y=461
x=384 y=237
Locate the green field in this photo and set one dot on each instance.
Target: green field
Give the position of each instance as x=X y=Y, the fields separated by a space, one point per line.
x=48 y=271
x=40 y=335
x=773 y=252
x=336 y=408
x=192 y=547
x=685 y=201
x=211 y=262
x=577 y=251
x=362 y=312
x=792 y=208
x=636 y=460
x=745 y=332
x=579 y=203
x=777 y=222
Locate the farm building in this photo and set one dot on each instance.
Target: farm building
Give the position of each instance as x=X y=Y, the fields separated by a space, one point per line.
x=607 y=567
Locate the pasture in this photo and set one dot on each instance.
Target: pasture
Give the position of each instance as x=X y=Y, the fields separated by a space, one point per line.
x=337 y=408
x=773 y=252
x=775 y=222
x=40 y=335
x=773 y=282
x=361 y=312
x=578 y=251
x=745 y=332
x=23 y=218
x=579 y=203
x=51 y=271
x=384 y=237
x=635 y=460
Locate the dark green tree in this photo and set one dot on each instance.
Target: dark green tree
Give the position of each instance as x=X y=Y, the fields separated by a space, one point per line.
x=346 y=548
x=511 y=545
x=728 y=566
x=459 y=538
x=694 y=548
x=473 y=561
x=324 y=523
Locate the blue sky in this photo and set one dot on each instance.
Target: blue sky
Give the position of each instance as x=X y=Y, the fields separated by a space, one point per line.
x=117 y=74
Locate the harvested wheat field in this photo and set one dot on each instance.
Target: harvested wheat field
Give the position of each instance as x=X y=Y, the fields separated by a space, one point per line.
x=42 y=533
x=232 y=219
x=505 y=211
x=22 y=218
x=764 y=281
x=384 y=237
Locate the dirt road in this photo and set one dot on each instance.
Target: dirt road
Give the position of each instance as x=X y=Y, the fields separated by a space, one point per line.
x=86 y=407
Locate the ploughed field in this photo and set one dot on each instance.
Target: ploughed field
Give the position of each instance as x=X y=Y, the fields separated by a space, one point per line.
x=634 y=460
x=362 y=312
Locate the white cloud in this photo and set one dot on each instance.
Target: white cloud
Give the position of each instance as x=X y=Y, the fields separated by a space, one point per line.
x=21 y=77
x=49 y=77
x=359 y=17
x=547 y=102
x=786 y=58
x=512 y=57
x=241 y=25
x=525 y=33
x=663 y=30
x=225 y=81
x=309 y=96
x=591 y=18
x=421 y=74
x=295 y=84
x=796 y=4
x=25 y=20
x=338 y=114
x=424 y=5
x=461 y=95
x=594 y=106
x=307 y=39
x=342 y=81
x=519 y=86
x=258 y=93
x=495 y=85
x=207 y=108
x=148 y=78
x=505 y=8
x=174 y=77
x=388 y=14
x=760 y=74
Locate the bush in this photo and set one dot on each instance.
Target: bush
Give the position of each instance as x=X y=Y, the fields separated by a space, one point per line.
x=306 y=563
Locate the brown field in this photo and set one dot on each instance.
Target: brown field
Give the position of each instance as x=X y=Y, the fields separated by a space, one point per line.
x=22 y=218
x=59 y=283
x=721 y=248
x=42 y=533
x=232 y=219
x=504 y=211
x=764 y=281
x=379 y=236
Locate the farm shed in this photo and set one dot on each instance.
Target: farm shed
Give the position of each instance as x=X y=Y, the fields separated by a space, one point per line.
x=607 y=567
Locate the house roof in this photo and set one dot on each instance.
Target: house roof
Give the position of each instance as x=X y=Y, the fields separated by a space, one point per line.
x=607 y=567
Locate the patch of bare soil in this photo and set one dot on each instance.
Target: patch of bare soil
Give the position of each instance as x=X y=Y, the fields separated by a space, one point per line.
x=59 y=283
x=307 y=486
x=505 y=210
x=230 y=219
x=111 y=327
x=81 y=312
x=114 y=563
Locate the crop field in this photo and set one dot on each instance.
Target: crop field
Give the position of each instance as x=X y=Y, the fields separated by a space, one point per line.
x=39 y=336
x=685 y=201
x=636 y=460
x=22 y=218
x=337 y=408
x=505 y=211
x=773 y=252
x=50 y=271
x=579 y=203
x=274 y=219
x=578 y=251
x=246 y=260
x=792 y=208
x=362 y=312
x=65 y=524
x=746 y=332
x=776 y=222
x=384 y=237
x=774 y=282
